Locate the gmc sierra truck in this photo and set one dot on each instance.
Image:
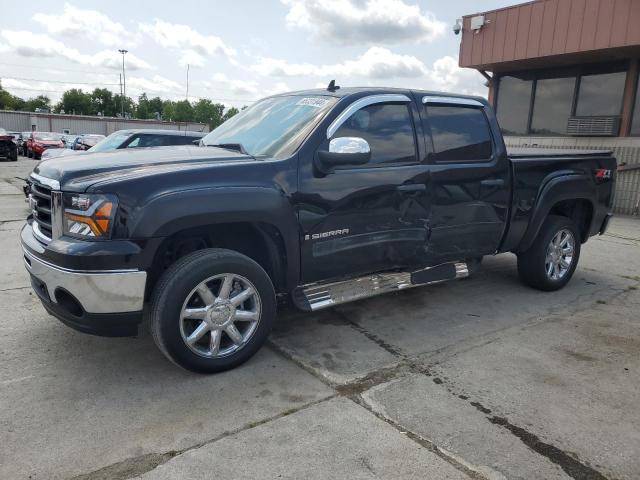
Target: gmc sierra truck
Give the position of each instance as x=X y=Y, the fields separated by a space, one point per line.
x=321 y=197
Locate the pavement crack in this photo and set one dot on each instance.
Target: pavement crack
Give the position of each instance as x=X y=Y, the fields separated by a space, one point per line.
x=136 y=466
x=395 y=351
x=571 y=466
x=423 y=442
x=13 y=288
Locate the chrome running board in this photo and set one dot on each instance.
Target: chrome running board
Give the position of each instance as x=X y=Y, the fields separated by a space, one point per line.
x=316 y=296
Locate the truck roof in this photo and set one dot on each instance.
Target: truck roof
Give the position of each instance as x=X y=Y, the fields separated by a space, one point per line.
x=346 y=91
x=163 y=132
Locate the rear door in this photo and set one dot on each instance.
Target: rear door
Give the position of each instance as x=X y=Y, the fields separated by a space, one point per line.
x=470 y=181
x=369 y=218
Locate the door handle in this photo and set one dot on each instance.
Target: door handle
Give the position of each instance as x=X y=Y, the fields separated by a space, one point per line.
x=492 y=182
x=412 y=187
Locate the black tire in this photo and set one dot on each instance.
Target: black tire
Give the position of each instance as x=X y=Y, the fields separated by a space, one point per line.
x=532 y=264
x=176 y=286
x=29 y=153
x=14 y=157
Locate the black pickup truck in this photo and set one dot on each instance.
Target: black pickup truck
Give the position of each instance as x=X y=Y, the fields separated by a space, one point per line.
x=321 y=197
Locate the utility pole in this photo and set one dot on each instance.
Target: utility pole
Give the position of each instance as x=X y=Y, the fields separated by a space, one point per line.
x=187 y=82
x=124 y=79
x=121 y=97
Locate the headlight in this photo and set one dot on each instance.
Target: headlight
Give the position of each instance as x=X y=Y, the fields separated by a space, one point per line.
x=89 y=215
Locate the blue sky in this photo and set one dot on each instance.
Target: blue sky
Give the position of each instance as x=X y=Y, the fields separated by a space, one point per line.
x=238 y=51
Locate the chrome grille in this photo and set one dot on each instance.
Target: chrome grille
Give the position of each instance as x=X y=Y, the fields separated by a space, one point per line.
x=41 y=208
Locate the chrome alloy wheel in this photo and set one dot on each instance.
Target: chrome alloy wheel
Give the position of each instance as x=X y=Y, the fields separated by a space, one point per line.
x=559 y=254
x=215 y=325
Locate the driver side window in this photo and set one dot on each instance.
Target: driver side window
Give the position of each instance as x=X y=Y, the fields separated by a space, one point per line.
x=388 y=128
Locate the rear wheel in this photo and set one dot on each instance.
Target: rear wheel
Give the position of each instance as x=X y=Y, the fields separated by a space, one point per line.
x=212 y=310
x=550 y=262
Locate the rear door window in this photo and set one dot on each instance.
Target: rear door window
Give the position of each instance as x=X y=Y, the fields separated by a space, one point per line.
x=460 y=134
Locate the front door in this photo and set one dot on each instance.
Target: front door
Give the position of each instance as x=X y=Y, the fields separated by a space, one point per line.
x=357 y=220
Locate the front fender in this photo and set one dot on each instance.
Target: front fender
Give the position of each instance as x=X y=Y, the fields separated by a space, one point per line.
x=572 y=186
x=172 y=212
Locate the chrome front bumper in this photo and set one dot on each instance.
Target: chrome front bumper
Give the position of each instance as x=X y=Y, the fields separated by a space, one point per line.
x=104 y=291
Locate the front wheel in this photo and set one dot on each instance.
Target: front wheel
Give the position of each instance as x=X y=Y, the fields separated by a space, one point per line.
x=550 y=262
x=212 y=310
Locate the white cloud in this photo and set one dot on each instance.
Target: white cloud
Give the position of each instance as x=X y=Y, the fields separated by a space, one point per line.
x=29 y=44
x=279 y=87
x=243 y=87
x=192 y=58
x=377 y=62
x=157 y=84
x=220 y=77
x=364 y=21
x=446 y=75
x=193 y=45
x=92 y=24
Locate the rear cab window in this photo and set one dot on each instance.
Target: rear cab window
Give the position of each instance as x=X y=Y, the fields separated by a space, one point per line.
x=459 y=132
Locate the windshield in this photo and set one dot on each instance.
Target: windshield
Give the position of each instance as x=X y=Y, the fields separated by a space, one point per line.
x=272 y=127
x=46 y=136
x=109 y=143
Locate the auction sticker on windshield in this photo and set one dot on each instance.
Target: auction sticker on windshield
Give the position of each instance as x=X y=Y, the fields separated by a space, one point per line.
x=313 y=102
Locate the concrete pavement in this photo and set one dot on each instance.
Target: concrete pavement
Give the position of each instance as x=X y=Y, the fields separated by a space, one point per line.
x=480 y=378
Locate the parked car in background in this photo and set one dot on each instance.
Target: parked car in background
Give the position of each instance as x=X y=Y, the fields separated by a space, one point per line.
x=8 y=146
x=40 y=141
x=85 y=142
x=134 y=139
x=69 y=140
x=146 y=138
x=22 y=143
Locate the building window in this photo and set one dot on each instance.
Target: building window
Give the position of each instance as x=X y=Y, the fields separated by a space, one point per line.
x=552 y=106
x=460 y=134
x=635 y=120
x=601 y=94
x=514 y=99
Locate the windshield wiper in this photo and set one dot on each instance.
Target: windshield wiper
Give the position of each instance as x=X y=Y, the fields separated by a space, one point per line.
x=236 y=147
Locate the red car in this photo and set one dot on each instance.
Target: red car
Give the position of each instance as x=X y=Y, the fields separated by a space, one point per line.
x=40 y=141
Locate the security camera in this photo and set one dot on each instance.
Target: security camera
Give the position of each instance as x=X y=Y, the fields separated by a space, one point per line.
x=457 y=27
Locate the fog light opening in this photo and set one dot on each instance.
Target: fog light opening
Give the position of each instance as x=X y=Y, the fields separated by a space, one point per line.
x=68 y=302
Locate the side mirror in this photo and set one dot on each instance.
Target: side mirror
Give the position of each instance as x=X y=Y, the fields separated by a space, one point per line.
x=343 y=152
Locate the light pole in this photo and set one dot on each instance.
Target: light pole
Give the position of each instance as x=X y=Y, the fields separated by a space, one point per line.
x=124 y=80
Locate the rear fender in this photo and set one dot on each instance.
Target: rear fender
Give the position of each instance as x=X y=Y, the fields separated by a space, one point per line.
x=572 y=186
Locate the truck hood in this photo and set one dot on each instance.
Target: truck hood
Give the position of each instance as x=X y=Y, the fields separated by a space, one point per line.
x=78 y=172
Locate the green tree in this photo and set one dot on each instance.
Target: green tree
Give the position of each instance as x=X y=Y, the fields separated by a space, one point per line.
x=102 y=101
x=205 y=111
x=230 y=113
x=129 y=105
x=75 y=101
x=168 y=110
x=41 y=101
x=9 y=101
x=155 y=106
x=142 y=110
x=183 y=111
